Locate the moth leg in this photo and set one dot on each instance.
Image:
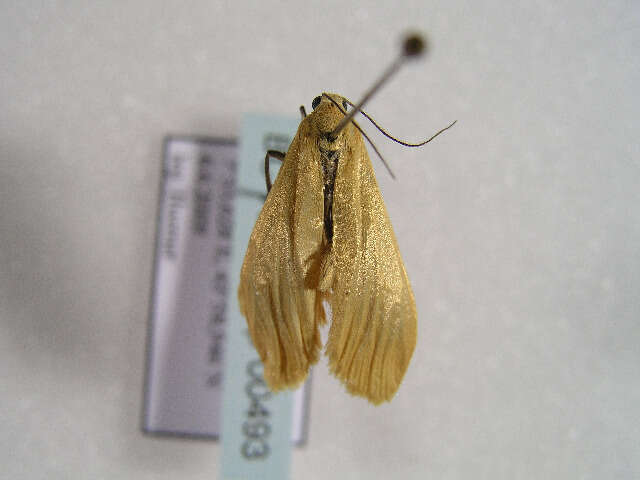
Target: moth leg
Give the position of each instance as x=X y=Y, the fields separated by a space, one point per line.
x=303 y=112
x=273 y=154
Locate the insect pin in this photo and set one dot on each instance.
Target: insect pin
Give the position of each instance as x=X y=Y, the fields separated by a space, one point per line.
x=324 y=235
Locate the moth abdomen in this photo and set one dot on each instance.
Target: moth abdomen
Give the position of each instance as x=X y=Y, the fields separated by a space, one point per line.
x=329 y=159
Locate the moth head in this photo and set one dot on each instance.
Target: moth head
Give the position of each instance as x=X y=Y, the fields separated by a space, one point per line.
x=328 y=110
x=325 y=97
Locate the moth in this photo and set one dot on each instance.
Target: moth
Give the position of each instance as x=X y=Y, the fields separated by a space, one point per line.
x=324 y=235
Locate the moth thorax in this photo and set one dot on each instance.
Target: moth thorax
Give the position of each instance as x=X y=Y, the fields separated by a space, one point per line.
x=327 y=144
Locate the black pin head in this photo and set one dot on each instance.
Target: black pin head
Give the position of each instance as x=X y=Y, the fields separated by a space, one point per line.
x=414 y=46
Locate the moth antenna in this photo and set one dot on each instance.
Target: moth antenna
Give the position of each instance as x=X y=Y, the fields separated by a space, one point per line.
x=414 y=45
x=375 y=149
x=401 y=142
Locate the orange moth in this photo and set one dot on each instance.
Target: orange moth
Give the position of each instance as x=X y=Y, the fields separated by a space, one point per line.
x=324 y=235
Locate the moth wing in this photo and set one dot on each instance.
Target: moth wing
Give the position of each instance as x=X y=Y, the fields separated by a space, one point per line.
x=373 y=329
x=282 y=312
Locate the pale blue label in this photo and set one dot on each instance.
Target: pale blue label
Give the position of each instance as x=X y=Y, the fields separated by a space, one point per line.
x=256 y=424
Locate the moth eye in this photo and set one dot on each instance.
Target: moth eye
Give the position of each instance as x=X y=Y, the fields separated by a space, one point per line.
x=345 y=105
x=316 y=102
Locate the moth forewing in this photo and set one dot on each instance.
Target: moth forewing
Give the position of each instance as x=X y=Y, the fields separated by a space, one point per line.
x=282 y=314
x=373 y=329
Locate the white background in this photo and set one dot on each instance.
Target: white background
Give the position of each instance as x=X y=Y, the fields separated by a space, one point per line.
x=519 y=227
